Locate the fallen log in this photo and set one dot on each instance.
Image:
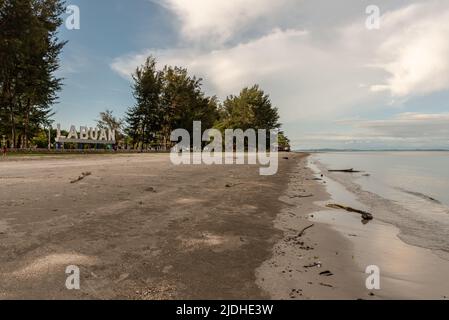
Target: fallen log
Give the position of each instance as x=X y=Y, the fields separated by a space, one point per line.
x=365 y=215
x=345 y=170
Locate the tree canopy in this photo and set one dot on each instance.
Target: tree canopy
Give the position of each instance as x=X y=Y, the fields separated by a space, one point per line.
x=29 y=51
x=170 y=98
x=166 y=100
x=251 y=109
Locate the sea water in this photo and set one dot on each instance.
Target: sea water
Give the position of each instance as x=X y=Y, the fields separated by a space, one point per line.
x=407 y=189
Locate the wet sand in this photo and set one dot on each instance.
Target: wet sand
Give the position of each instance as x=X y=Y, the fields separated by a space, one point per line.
x=330 y=259
x=294 y=270
x=407 y=271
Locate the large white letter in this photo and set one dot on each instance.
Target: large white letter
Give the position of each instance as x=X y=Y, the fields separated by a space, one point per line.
x=197 y=142
x=73 y=21
x=240 y=136
x=58 y=133
x=72 y=133
x=73 y=280
x=272 y=159
x=373 y=281
x=214 y=147
x=373 y=20
x=111 y=135
x=93 y=133
x=182 y=147
x=103 y=135
x=84 y=134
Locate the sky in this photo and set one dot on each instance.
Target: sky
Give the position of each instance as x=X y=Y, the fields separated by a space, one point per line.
x=336 y=82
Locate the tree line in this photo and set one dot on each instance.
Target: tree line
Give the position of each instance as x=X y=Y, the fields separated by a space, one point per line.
x=165 y=99
x=29 y=57
x=170 y=98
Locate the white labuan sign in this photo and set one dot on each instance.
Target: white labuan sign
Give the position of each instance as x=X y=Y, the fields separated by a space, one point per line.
x=86 y=135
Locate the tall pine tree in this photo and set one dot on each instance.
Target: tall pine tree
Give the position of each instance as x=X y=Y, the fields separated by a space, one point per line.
x=29 y=50
x=144 y=119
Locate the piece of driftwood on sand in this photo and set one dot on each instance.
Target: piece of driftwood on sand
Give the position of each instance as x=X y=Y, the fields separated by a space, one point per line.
x=81 y=177
x=304 y=230
x=345 y=170
x=365 y=215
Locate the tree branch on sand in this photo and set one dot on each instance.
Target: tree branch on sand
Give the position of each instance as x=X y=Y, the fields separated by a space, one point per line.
x=365 y=215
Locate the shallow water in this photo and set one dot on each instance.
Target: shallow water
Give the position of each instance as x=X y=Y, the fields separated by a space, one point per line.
x=407 y=189
x=407 y=243
x=408 y=177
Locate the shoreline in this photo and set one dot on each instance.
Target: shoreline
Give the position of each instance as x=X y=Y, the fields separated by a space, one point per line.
x=407 y=271
x=293 y=271
x=398 y=214
x=343 y=247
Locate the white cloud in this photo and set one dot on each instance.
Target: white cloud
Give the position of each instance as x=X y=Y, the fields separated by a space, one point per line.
x=126 y=64
x=303 y=79
x=218 y=20
x=414 y=49
x=407 y=125
x=314 y=73
x=402 y=131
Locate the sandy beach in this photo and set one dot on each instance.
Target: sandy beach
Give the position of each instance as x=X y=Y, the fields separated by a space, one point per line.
x=138 y=227
x=141 y=228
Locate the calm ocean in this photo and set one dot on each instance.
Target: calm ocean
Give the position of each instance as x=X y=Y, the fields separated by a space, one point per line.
x=407 y=189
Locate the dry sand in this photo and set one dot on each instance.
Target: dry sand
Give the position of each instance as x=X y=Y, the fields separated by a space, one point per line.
x=138 y=227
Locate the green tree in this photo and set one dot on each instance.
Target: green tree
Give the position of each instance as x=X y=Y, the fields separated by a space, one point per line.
x=283 y=142
x=29 y=51
x=251 y=109
x=166 y=100
x=184 y=102
x=144 y=119
x=107 y=120
x=40 y=140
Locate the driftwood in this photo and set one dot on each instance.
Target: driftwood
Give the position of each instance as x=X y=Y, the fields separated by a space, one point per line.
x=326 y=285
x=365 y=215
x=302 y=196
x=313 y=265
x=304 y=230
x=345 y=170
x=230 y=185
x=81 y=177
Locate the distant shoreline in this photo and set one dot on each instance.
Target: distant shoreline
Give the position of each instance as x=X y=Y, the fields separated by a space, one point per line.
x=367 y=150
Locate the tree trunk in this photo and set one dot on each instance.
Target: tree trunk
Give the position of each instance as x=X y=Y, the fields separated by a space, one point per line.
x=26 y=124
x=13 y=128
x=10 y=99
